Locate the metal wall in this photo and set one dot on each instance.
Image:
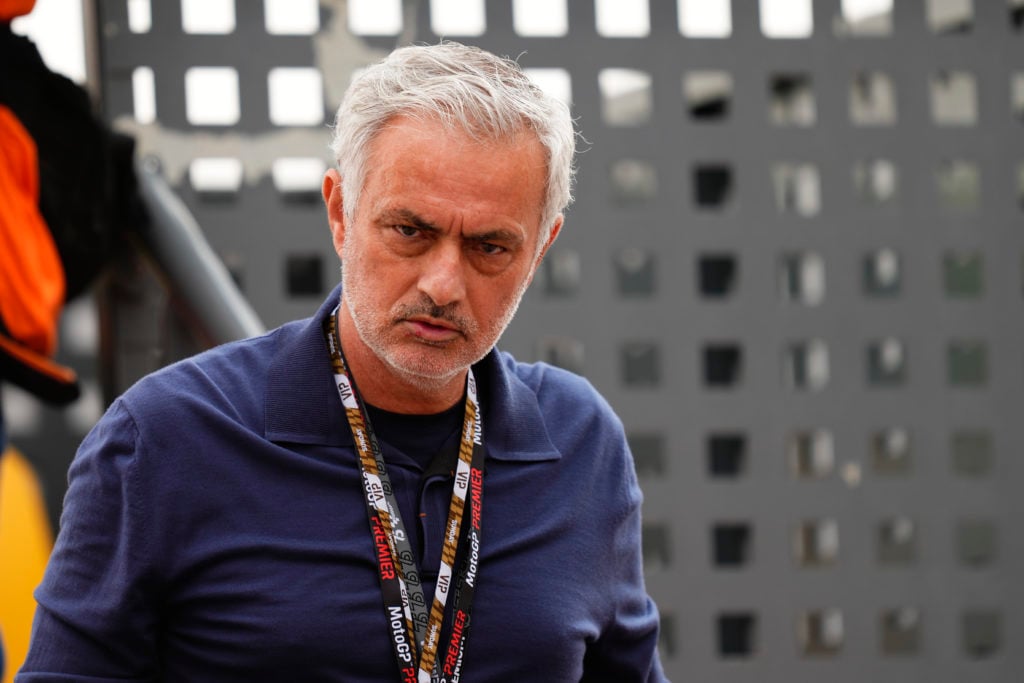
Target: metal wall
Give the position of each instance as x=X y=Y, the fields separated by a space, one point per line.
x=795 y=267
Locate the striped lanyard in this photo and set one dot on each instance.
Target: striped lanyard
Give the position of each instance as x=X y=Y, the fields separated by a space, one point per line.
x=416 y=634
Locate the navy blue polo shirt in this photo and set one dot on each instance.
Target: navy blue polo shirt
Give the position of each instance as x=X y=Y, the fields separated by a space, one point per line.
x=214 y=529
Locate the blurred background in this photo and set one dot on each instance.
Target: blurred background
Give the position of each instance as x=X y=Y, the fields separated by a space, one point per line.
x=795 y=267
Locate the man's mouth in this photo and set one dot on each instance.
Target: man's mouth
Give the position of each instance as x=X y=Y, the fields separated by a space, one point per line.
x=431 y=330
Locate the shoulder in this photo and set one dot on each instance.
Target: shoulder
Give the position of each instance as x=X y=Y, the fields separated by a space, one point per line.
x=543 y=406
x=559 y=393
x=229 y=379
x=542 y=412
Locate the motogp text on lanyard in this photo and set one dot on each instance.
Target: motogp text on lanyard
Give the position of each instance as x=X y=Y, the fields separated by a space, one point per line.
x=415 y=635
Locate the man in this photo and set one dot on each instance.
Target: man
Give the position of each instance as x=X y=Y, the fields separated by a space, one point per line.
x=374 y=494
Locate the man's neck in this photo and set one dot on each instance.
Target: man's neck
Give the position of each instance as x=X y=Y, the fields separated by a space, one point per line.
x=388 y=388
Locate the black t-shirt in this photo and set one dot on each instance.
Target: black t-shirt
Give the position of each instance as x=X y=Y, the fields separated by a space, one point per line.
x=421 y=438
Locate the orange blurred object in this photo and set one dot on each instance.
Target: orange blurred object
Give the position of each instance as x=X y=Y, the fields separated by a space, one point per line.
x=9 y=9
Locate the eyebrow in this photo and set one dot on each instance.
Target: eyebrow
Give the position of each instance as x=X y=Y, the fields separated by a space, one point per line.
x=407 y=217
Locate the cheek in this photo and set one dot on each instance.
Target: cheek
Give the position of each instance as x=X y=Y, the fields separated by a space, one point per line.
x=493 y=302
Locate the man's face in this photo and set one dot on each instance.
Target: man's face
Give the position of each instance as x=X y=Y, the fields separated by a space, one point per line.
x=442 y=246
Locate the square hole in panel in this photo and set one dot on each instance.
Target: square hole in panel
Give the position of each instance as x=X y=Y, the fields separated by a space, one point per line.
x=144 y=95
x=562 y=352
x=876 y=181
x=786 y=18
x=215 y=177
x=298 y=177
x=949 y=16
x=900 y=631
x=816 y=543
x=293 y=17
x=457 y=17
x=626 y=97
x=1016 y=14
x=872 y=99
x=656 y=545
x=641 y=364
x=727 y=455
x=622 y=18
x=1017 y=95
x=633 y=181
x=561 y=272
x=140 y=16
x=705 y=18
x=958 y=183
x=976 y=542
x=883 y=273
x=716 y=275
x=737 y=635
x=648 y=453
x=375 y=17
x=896 y=541
x=708 y=94
x=797 y=188
x=634 y=272
x=954 y=98
x=304 y=275
x=820 y=632
x=712 y=186
x=860 y=18
x=981 y=633
x=554 y=81
x=722 y=365
x=296 y=96
x=890 y=452
x=811 y=454
x=211 y=96
x=791 y=100
x=963 y=274
x=548 y=18
x=967 y=363
x=972 y=452
x=806 y=366
x=79 y=330
x=886 y=362
x=802 y=278
x=208 y=16
x=731 y=544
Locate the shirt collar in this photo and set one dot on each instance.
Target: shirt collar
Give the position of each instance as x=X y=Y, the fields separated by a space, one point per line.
x=302 y=404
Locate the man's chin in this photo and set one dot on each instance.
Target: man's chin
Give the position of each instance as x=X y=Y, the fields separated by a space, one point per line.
x=424 y=371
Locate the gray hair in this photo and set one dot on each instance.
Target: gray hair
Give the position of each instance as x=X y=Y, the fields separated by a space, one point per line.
x=465 y=88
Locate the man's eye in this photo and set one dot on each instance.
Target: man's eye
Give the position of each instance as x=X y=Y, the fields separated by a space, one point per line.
x=407 y=230
x=492 y=249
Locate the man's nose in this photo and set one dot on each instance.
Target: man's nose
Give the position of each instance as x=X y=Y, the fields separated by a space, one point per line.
x=442 y=277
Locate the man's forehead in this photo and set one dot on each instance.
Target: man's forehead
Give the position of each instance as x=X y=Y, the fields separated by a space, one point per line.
x=456 y=134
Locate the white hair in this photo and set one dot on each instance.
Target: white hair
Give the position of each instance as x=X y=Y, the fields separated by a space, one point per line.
x=465 y=88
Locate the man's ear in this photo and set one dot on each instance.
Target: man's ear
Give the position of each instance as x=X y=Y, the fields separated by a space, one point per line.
x=333 y=200
x=555 y=228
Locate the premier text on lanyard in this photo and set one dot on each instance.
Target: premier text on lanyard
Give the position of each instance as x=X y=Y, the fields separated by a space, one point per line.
x=415 y=634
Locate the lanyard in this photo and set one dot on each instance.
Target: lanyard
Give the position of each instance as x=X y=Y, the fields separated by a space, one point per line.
x=416 y=635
